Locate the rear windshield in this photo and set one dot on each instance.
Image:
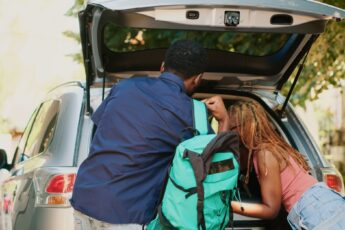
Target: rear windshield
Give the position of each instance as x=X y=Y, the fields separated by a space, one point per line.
x=124 y=39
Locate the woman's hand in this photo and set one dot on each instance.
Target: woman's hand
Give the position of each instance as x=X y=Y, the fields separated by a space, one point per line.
x=216 y=106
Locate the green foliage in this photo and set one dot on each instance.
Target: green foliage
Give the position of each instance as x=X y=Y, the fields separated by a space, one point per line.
x=325 y=65
x=122 y=39
x=78 y=6
x=77 y=57
x=72 y=35
x=73 y=12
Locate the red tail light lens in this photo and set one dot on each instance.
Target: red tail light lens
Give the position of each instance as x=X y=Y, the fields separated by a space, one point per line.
x=334 y=182
x=62 y=183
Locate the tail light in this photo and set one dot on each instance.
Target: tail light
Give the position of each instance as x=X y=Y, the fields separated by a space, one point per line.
x=60 y=186
x=61 y=183
x=333 y=179
x=54 y=190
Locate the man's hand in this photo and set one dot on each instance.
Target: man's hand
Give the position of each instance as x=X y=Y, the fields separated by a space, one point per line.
x=216 y=106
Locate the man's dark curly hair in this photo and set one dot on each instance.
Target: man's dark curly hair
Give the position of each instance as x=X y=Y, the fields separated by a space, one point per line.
x=186 y=58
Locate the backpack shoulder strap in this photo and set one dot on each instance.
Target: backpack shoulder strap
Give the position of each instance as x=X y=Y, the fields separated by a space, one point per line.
x=200 y=117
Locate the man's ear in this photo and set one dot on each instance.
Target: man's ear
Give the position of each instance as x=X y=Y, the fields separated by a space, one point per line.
x=198 y=79
x=162 y=69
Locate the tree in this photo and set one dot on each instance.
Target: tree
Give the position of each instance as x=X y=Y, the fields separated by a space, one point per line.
x=73 y=12
x=325 y=65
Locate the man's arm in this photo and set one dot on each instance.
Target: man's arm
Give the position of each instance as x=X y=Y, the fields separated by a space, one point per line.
x=217 y=108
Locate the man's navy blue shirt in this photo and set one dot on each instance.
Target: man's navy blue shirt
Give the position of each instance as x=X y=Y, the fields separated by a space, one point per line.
x=139 y=125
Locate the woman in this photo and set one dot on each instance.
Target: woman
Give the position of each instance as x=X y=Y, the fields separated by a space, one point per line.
x=282 y=173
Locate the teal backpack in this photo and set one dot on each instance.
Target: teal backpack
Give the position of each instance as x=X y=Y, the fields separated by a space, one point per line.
x=202 y=180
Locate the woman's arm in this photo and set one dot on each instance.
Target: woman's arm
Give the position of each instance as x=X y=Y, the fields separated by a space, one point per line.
x=269 y=179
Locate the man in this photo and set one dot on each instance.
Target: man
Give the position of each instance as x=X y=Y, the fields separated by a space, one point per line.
x=138 y=127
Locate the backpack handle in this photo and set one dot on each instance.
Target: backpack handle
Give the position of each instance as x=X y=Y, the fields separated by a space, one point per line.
x=200 y=117
x=223 y=142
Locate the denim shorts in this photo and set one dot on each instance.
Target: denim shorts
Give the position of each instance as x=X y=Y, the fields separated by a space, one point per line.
x=318 y=208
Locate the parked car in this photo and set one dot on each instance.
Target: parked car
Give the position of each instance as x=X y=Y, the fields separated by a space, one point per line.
x=253 y=48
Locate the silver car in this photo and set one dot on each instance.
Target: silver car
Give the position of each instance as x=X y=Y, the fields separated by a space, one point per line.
x=254 y=49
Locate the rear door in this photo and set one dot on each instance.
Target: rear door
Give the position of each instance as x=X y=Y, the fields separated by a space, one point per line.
x=120 y=35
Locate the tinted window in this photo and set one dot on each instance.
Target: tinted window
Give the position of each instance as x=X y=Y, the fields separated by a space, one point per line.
x=43 y=128
x=123 y=39
x=22 y=142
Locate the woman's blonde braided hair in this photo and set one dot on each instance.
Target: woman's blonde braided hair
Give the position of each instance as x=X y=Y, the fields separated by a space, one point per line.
x=256 y=132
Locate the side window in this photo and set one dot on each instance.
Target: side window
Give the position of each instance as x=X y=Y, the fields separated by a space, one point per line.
x=42 y=130
x=20 y=149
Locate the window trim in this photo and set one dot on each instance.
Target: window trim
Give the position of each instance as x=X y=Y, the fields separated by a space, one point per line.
x=16 y=159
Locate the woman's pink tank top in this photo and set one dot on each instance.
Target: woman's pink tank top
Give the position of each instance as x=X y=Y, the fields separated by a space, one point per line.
x=294 y=182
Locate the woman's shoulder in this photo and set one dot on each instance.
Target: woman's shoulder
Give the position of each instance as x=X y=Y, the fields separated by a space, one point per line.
x=269 y=158
x=264 y=159
x=263 y=153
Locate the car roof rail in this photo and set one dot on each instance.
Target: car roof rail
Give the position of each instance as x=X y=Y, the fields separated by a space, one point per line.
x=70 y=83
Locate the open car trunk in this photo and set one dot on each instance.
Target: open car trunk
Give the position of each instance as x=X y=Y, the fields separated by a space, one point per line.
x=251 y=45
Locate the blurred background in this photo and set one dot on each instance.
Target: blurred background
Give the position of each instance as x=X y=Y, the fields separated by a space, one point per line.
x=35 y=55
x=39 y=49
